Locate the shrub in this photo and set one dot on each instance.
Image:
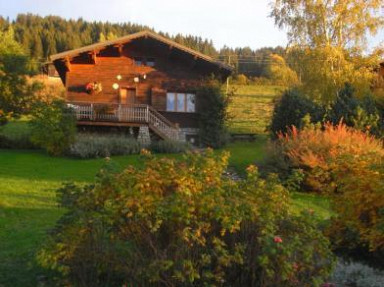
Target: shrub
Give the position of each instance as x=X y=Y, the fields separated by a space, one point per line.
x=359 y=204
x=280 y=73
x=291 y=109
x=169 y=146
x=182 y=223
x=361 y=114
x=213 y=115
x=96 y=145
x=53 y=126
x=241 y=79
x=317 y=150
x=347 y=164
x=16 y=135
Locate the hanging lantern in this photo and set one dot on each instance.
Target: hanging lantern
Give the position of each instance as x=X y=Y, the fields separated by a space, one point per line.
x=115 y=86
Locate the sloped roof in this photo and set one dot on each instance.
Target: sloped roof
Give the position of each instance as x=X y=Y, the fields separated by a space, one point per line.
x=125 y=39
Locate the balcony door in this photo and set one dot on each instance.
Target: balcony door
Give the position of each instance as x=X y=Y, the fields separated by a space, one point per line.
x=127 y=96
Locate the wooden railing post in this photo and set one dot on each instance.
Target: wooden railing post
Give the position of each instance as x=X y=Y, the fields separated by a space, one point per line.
x=147 y=114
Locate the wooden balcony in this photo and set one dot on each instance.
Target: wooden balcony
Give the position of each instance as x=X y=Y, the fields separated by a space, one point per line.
x=124 y=115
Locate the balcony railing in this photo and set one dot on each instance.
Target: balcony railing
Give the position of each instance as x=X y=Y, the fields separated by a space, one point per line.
x=113 y=112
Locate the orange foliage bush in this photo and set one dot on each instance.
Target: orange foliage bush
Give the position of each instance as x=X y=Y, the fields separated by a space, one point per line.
x=359 y=206
x=317 y=151
x=349 y=165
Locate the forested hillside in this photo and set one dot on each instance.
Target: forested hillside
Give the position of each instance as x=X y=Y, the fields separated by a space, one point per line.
x=44 y=36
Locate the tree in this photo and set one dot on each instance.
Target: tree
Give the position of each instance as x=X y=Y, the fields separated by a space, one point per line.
x=280 y=73
x=327 y=38
x=53 y=126
x=213 y=114
x=14 y=92
x=337 y=23
x=323 y=71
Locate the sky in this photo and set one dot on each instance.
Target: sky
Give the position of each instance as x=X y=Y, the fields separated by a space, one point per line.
x=234 y=23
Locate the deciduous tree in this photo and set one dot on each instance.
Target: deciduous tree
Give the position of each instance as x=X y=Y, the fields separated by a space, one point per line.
x=327 y=39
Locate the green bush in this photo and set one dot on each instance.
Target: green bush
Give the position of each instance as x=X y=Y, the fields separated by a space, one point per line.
x=180 y=222
x=97 y=145
x=213 y=115
x=53 y=126
x=169 y=146
x=16 y=135
x=362 y=114
x=291 y=109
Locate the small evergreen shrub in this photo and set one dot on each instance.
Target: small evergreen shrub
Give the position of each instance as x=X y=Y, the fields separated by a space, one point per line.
x=180 y=222
x=213 y=115
x=96 y=145
x=362 y=114
x=169 y=146
x=53 y=126
x=291 y=110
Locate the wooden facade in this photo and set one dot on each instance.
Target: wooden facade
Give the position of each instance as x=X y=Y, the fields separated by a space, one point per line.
x=136 y=71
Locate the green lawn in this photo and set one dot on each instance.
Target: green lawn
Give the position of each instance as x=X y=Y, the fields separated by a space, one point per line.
x=251 y=108
x=28 y=180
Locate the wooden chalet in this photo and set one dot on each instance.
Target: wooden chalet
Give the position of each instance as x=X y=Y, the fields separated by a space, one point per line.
x=142 y=80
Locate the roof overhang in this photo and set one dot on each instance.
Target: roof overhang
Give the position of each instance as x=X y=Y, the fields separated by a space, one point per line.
x=144 y=34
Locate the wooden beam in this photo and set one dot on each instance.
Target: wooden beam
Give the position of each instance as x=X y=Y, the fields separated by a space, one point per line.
x=68 y=63
x=193 y=63
x=170 y=49
x=120 y=49
x=94 y=57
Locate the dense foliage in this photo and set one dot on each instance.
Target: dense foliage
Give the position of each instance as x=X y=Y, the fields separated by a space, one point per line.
x=317 y=150
x=14 y=90
x=169 y=146
x=181 y=223
x=98 y=145
x=280 y=73
x=213 y=114
x=291 y=109
x=347 y=165
x=363 y=114
x=295 y=109
x=53 y=126
x=359 y=204
x=327 y=39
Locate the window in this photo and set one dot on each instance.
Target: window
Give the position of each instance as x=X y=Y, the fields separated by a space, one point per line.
x=151 y=62
x=138 y=61
x=171 y=102
x=190 y=103
x=181 y=102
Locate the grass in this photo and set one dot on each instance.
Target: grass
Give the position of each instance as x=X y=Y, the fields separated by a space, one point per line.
x=28 y=180
x=251 y=108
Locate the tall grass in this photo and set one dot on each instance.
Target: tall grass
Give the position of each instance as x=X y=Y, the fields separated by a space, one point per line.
x=251 y=108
